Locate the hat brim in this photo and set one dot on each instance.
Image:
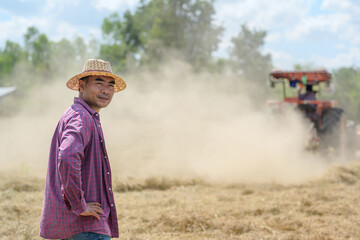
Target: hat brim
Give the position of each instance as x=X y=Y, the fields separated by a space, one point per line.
x=73 y=82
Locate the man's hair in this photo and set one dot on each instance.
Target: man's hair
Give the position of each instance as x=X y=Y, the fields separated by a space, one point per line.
x=85 y=79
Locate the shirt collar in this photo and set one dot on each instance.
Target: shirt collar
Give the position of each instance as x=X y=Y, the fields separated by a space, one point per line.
x=78 y=100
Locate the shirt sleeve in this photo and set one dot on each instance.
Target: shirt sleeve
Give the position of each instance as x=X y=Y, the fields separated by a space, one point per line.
x=75 y=137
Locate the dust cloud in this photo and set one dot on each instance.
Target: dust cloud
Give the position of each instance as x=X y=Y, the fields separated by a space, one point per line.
x=172 y=123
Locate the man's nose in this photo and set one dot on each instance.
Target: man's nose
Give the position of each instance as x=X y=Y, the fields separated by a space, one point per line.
x=106 y=90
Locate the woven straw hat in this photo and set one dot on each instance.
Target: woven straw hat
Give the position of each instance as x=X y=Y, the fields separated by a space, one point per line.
x=96 y=67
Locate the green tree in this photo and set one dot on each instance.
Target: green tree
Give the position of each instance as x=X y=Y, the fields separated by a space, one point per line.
x=184 y=25
x=121 y=37
x=347 y=90
x=81 y=50
x=38 y=48
x=30 y=37
x=9 y=56
x=159 y=26
x=246 y=57
x=93 y=49
x=63 y=56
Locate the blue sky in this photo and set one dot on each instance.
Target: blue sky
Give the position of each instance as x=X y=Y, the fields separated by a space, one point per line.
x=323 y=32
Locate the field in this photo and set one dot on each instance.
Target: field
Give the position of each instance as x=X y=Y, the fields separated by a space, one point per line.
x=158 y=208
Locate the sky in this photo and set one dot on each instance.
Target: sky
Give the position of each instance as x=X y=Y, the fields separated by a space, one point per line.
x=324 y=33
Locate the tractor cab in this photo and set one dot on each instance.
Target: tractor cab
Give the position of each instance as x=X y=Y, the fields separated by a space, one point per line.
x=323 y=114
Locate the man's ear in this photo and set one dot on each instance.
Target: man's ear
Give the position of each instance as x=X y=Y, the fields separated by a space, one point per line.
x=81 y=85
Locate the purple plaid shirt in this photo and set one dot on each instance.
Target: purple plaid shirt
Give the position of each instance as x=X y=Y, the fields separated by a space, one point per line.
x=78 y=172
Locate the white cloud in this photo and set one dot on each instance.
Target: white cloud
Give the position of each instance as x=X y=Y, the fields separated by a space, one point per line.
x=64 y=30
x=271 y=16
x=55 y=29
x=113 y=5
x=4 y=12
x=341 y=46
x=293 y=18
x=15 y=28
x=351 y=57
x=58 y=5
x=341 y=24
x=286 y=22
x=70 y=32
x=262 y=13
x=273 y=37
x=281 y=59
x=352 y=7
x=317 y=26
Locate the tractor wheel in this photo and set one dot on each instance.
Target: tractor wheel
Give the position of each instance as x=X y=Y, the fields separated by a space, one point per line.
x=331 y=131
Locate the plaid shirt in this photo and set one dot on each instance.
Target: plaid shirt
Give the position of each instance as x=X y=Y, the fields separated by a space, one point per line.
x=78 y=172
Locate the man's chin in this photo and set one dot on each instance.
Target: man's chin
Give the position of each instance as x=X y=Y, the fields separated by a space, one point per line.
x=103 y=104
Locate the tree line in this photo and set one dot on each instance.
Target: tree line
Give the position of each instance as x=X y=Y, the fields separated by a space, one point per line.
x=146 y=37
x=156 y=30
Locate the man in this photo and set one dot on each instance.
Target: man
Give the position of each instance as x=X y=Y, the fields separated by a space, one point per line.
x=309 y=109
x=308 y=95
x=79 y=201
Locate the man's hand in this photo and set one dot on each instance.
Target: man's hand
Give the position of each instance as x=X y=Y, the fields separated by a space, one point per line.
x=92 y=209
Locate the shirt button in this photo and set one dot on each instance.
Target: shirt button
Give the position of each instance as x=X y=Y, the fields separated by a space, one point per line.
x=99 y=125
x=105 y=156
x=109 y=189
x=100 y=140
x=108 y=173
x=112 y=205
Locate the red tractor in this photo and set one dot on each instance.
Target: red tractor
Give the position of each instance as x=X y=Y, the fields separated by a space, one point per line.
x=328 y=129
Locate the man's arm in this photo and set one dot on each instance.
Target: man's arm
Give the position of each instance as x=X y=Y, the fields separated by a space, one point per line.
x=76 y=136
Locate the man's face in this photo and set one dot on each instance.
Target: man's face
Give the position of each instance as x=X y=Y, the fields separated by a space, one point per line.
x=97 y=91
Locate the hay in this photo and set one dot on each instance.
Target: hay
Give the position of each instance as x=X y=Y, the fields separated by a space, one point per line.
x=162 y=208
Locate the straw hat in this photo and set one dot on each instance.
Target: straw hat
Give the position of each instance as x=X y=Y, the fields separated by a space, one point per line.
x=96 y=67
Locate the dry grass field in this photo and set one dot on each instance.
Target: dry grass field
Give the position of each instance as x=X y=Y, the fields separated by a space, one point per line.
x=157 y=208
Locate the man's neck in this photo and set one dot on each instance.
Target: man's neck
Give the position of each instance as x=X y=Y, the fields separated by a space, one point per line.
x=96 y=109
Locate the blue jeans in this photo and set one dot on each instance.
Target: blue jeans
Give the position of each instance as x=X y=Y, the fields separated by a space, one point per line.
x=89 y=236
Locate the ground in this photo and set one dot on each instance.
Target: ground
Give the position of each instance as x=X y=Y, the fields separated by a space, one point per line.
x=158 y=208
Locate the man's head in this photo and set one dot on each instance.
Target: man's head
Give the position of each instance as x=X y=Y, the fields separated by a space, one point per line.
x=309 y=88
x=96 y=91
x=96 y=83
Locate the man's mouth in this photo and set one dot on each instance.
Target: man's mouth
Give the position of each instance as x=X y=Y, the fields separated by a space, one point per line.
x=104 y=98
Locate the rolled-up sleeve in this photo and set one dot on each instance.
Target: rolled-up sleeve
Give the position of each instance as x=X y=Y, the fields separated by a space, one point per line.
x=73 y=141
